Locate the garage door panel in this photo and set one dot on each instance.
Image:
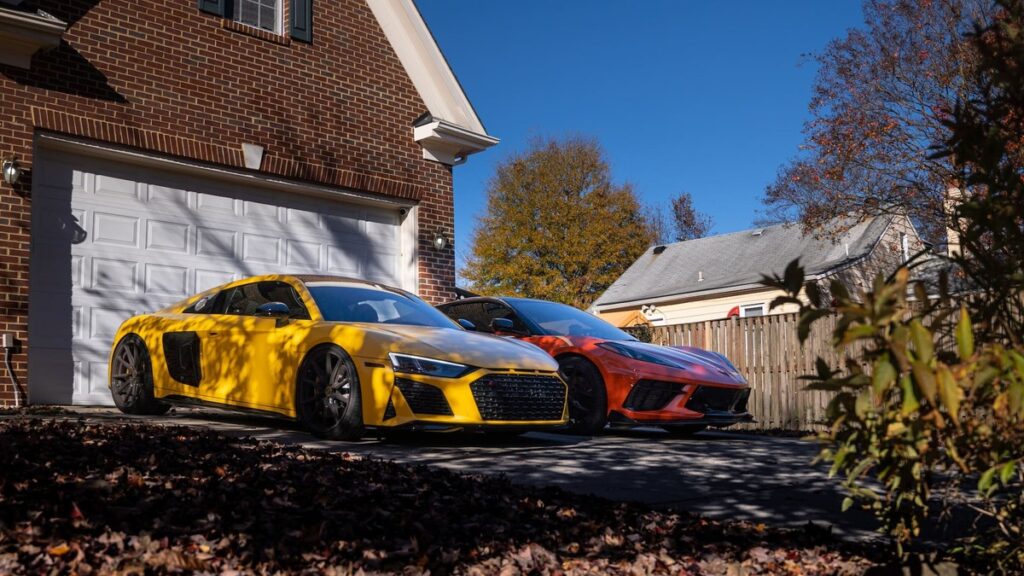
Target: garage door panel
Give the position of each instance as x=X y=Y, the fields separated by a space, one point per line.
x=116 y=189
x=257 y=210
x=114 y=275
x=206 y=279
x=167 y=236
x=303 y=255
x=216 y=243
x=165 y=196
x=304 y=219
x=103 y=323
x=261 y=249
x=112 y=240
x=211 y=205
x=163 y=280
x=115 y=229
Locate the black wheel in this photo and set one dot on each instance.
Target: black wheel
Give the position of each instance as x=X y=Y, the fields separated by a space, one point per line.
x=684 y=431
x=588 y=399
x=327 y=397
x=131 y=378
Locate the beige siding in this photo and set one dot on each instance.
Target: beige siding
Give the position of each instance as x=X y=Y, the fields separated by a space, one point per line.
x=708 y=308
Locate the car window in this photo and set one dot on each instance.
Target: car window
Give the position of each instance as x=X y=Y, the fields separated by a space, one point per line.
x=472 y=311
x=341 y=302
x=246 y=299
x=562 y=320
x=482 y=313
x=212 y=304
x=492 y=310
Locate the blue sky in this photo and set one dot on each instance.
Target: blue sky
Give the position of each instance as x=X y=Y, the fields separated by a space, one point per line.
x=705 y=97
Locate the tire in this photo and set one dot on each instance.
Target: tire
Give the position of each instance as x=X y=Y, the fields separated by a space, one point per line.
x=328 y=401
x=588 y=398
x=131 y=379
x=684 y=431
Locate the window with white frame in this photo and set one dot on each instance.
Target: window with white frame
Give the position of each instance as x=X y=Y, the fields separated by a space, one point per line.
x=905 y=246
x=263 y=14
x=751 y=310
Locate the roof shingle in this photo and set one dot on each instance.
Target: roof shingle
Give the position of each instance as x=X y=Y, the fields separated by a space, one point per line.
x=740 y=258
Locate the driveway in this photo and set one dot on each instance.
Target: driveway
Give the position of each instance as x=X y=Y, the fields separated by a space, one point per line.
x=721 y=475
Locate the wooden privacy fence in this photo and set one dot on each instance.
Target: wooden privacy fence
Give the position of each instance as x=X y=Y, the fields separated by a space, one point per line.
x=766 y=350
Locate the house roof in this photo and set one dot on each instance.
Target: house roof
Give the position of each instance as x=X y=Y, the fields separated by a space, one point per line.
x=425 y=63
x=736 y=260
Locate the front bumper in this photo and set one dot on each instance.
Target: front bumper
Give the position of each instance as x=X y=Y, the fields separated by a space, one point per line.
x=673 y=403
x=505 y=399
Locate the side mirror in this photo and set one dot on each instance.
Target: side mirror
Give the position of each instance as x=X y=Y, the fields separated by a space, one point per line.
x=466 y=324
x=505 y=326
x=278 y=310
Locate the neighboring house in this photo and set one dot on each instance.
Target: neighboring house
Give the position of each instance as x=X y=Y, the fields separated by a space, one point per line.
x=720 y=276
x=166 y=146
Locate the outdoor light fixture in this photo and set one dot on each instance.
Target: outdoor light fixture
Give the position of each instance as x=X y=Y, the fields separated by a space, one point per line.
x=12 y=172
x=440 y=242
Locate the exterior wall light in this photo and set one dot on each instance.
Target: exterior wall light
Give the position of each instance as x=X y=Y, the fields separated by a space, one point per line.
x=440 y=241
x=11 y=170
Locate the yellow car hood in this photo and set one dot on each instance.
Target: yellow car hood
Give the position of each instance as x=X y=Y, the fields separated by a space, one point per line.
x=454 y=345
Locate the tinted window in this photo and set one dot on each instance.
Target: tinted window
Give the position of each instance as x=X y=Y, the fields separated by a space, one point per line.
x=482 y=313
x=561 y=320
x=349 y=303
x=213 y=304
x=245 y=300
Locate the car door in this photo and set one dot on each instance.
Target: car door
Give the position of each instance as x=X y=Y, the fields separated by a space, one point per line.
x=245 y=356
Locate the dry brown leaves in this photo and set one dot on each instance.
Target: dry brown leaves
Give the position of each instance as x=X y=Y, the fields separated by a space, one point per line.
x=84 y=498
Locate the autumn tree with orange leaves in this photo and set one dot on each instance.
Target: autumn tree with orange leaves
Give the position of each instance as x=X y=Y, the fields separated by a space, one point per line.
x=557 y=227
x=879 y=102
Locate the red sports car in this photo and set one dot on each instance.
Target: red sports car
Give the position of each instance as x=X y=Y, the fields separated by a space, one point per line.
x=613 y=377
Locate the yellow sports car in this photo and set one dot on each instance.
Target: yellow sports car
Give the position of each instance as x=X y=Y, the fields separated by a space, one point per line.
x=334 y=353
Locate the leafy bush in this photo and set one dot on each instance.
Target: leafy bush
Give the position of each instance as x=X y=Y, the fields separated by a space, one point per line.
x=931 y=396
x=916 y=417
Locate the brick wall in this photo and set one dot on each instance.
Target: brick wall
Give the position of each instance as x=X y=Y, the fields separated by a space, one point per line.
x=162 y=76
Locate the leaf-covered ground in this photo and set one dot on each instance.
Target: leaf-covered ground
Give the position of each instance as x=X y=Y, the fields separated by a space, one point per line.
x=81 y=497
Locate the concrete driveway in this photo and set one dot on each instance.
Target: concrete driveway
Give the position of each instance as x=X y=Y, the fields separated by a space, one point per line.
x=721 y=475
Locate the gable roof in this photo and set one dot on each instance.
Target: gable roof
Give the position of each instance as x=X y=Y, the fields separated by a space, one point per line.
x=452 y=114
x=737 y=260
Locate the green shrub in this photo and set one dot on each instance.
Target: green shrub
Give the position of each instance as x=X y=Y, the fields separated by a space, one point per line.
x=929 y=402
x=913 y=416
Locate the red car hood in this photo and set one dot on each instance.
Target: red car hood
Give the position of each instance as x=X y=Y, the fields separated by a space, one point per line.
x=698 y=364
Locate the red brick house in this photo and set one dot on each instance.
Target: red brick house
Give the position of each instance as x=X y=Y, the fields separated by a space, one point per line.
x=159 y=147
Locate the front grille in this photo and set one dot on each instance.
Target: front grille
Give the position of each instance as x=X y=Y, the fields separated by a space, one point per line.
x=651 y=395
x=519 y=397
x=708 y=399
x=423 y=398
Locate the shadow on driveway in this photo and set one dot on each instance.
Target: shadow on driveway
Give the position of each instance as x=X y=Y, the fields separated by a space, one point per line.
x=718 y=474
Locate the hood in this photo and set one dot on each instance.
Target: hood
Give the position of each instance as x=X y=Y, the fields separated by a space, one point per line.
x=698 y=363
x=464 y=347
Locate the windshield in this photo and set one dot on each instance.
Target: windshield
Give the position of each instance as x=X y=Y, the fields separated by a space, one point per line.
x=561 y=320
x=357 y=303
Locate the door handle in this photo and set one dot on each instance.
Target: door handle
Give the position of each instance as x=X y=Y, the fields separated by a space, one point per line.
x=213 y=333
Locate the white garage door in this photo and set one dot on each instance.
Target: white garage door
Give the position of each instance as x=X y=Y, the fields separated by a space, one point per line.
x=110 y=240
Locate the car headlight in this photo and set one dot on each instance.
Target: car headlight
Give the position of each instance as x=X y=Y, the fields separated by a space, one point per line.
x=408 y=364
x=643 y=356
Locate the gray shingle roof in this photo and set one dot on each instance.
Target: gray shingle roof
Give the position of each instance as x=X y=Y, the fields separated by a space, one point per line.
x=739 y=259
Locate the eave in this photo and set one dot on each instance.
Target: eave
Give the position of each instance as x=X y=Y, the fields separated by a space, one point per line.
x=448 y=143
x=22 y=34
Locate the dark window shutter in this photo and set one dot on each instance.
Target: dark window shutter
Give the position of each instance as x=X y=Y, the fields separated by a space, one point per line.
x=302 y=20
x=218 y=7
